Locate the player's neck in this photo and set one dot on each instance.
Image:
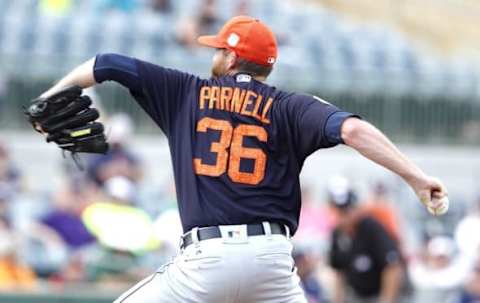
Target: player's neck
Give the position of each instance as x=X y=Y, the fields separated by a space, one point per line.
x=233 y=72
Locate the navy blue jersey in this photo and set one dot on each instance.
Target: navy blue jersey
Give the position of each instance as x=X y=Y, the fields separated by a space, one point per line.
x=237 y=145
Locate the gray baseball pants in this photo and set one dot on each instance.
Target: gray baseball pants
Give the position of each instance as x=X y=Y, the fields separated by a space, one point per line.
x=232 y=269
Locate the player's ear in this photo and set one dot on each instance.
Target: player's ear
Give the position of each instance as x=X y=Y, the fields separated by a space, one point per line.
x=231 y=60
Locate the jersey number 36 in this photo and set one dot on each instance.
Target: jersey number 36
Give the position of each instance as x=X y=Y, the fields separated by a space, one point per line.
x=231 y=142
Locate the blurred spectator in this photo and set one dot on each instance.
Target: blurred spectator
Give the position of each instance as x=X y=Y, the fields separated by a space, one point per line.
x=311 y=241
x=471 y=289
x=168 y=229
x=161 y=6
x=467 y=238
x=203 y=23
x=365 y=257
x=119 y=161
x=379 y=207
x=306 y=262
x=156 y=197
x=64 y=219
x=187 y=33
x=9 y=174
x=120 y=190
x=116 y=223
x=113 y=266
x=242 y=8
x=439 y=271
x=57 y=236
x=45 y=252
x=65 y=225
x=14 y=275
x=125 y=6
x=124 y=232
x=469 y=242
x=55 y=7
x=208 y=17
x=9 y=180
x=316 y=222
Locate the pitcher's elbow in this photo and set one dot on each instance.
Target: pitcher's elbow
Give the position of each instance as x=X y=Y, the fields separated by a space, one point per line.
x=351 y=128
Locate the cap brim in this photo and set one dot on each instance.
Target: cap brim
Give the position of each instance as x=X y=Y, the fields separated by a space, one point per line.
x=210 y=41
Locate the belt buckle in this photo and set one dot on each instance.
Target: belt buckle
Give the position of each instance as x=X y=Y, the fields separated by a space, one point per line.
x=234 y=234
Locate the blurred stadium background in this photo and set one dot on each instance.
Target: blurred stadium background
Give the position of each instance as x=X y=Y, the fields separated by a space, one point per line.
x=410 y=67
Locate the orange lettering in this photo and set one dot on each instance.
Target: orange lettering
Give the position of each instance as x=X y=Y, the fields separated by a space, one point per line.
x=230 y=151
x=247 y=102
x=220 y=148
x=237 y=100
x=214 y=98
x=225 y=97
x=238 y=152
x=204 y=96
x=257 y=106
x=265 y=110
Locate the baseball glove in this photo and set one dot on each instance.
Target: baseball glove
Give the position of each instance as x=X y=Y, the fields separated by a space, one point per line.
x=68 y=119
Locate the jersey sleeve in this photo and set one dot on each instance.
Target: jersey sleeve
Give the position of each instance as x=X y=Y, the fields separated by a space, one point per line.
x=314 y=123
x=160 y=91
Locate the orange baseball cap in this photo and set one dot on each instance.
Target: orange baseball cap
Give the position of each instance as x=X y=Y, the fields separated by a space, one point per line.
x=248 y=38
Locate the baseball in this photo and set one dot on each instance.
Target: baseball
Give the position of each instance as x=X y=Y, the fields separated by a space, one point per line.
x=438 y=207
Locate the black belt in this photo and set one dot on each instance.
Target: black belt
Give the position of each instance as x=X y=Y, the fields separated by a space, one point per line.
x=212 y=232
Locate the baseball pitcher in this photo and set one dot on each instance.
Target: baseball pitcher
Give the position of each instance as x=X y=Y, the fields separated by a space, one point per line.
x=237 y=146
